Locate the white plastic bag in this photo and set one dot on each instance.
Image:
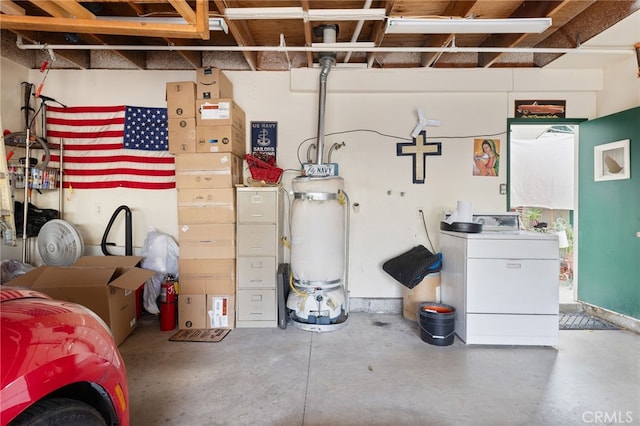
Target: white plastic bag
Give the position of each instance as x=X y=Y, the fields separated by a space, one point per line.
x=11 y=269
x=160 y=253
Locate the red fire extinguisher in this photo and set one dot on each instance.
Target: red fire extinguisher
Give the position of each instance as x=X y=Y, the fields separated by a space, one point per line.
x=168 y=304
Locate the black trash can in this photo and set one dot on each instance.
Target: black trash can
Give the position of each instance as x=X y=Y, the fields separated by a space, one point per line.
x=437 y=323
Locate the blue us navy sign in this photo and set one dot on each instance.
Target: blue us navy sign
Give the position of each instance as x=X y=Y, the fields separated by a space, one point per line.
x=264 y=139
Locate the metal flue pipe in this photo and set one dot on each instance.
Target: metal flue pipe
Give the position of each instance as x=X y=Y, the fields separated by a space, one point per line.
x=326 y=60
x=324 y=73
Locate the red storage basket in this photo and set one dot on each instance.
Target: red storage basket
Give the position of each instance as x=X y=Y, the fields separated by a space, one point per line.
x=261 y=170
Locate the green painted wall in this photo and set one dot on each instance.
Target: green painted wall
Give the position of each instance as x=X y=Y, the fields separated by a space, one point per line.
x=608 y=219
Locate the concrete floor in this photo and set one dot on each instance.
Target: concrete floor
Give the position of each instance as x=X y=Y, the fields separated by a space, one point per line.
x=378 y=371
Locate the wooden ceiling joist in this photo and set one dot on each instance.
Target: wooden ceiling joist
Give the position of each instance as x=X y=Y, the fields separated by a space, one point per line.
x=71 y=9
x=454 y=8
x=192 y=57
x=241 y=34
x=10 y=8
x=66 y=9
x=593 y=20
x=542 y=8
x=308 y=33
x=97 y=26
x=80 y=59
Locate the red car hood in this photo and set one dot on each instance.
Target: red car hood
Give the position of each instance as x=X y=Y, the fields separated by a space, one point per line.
x=47 y=344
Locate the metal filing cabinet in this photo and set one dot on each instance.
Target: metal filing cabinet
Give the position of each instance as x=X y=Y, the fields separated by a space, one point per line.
x=259 y=252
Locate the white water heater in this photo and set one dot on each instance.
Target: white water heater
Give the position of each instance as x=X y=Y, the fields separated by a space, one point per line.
x=317 y=229
x=318 y=299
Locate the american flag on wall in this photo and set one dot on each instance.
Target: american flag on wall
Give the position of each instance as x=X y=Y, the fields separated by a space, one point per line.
x=112 y=147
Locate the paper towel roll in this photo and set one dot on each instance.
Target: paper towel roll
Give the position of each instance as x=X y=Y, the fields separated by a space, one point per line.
x=465 y=211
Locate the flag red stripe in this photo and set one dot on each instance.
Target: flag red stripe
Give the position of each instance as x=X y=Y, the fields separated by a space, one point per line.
x=114 y=171
x=86 y=122
x=97 y=147
x=113 y=158
x=86 y=109
x=85 y=135
x=119 y=184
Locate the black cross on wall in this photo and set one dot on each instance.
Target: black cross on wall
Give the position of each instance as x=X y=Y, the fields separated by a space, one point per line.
x=419 y=149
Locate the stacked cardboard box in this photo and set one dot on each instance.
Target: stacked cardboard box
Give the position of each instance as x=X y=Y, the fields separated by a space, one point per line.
x=207 y=133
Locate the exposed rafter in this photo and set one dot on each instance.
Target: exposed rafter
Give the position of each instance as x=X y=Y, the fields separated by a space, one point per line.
x=241 y=33
x=457 y=8
x=135 y=30
x=600 y=16
x=10 y=8
x=535 y=9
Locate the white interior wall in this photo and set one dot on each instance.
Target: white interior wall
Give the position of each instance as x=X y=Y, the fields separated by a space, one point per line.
x=11 y=118
x=375 y=177
x=11 y=96
x=622 y=77
x=621 y=86
x=385 y=101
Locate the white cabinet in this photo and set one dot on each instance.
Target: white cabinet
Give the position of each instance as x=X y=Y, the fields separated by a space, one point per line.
x=503 y=285
x=259 y=252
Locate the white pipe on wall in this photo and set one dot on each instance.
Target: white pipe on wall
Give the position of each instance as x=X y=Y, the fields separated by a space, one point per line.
x=341 y=47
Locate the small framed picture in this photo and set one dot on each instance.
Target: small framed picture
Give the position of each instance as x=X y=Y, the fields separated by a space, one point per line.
x=611 y=161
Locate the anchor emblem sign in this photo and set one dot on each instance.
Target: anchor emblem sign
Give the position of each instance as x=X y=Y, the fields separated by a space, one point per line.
x=264 y=139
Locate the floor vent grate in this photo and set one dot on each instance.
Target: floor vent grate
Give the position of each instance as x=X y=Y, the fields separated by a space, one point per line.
x=584 y=321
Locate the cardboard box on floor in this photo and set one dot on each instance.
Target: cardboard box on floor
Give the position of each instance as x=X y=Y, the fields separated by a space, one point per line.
x=205 y=311
x=192 y=311
x=104 y=284
x=221 y=312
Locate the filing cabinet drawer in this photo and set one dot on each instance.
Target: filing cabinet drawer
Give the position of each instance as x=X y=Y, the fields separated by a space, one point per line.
x=257 y=240
x=256 y=305
x=257 y=206
x=256 y=272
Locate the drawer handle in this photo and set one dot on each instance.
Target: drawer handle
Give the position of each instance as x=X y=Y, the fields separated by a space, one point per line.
x=256 y=265
x=256 y=199
x=256 y=215
x=256 y=298
x=255 y=281
x=514 y=265
x=257 y=248
x=256 y=313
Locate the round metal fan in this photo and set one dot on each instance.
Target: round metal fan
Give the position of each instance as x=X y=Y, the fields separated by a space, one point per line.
x=59 y=243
